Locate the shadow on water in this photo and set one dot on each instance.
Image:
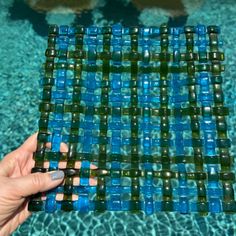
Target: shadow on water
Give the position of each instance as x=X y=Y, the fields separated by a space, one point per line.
x=126 y=14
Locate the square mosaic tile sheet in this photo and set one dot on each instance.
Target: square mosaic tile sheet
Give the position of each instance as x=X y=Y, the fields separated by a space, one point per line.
x=146 y=107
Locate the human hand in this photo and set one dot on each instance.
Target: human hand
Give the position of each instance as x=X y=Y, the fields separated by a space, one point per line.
x=17 y=184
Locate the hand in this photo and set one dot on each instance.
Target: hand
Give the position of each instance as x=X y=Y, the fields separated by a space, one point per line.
x=17 y=184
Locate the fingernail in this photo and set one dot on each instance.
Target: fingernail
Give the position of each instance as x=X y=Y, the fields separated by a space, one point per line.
x=57 y=175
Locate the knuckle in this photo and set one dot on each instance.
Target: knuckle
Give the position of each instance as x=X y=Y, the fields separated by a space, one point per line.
x=37 y=179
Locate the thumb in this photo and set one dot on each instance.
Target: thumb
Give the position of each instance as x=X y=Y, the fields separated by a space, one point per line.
x=37 y=182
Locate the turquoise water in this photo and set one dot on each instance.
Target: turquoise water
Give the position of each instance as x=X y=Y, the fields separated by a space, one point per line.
x=23 y=42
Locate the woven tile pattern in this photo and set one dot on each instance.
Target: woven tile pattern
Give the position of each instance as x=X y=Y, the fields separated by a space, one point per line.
x=146 y=107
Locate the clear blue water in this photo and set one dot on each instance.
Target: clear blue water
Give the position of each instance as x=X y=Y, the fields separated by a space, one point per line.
x=22 y=44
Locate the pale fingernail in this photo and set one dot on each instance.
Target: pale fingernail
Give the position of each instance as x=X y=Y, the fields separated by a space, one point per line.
x=57 y=175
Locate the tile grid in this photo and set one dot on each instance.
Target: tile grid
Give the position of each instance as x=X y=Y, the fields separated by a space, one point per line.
x=145 y=105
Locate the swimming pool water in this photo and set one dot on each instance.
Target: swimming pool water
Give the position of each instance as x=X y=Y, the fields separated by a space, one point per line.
x=23 y=42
